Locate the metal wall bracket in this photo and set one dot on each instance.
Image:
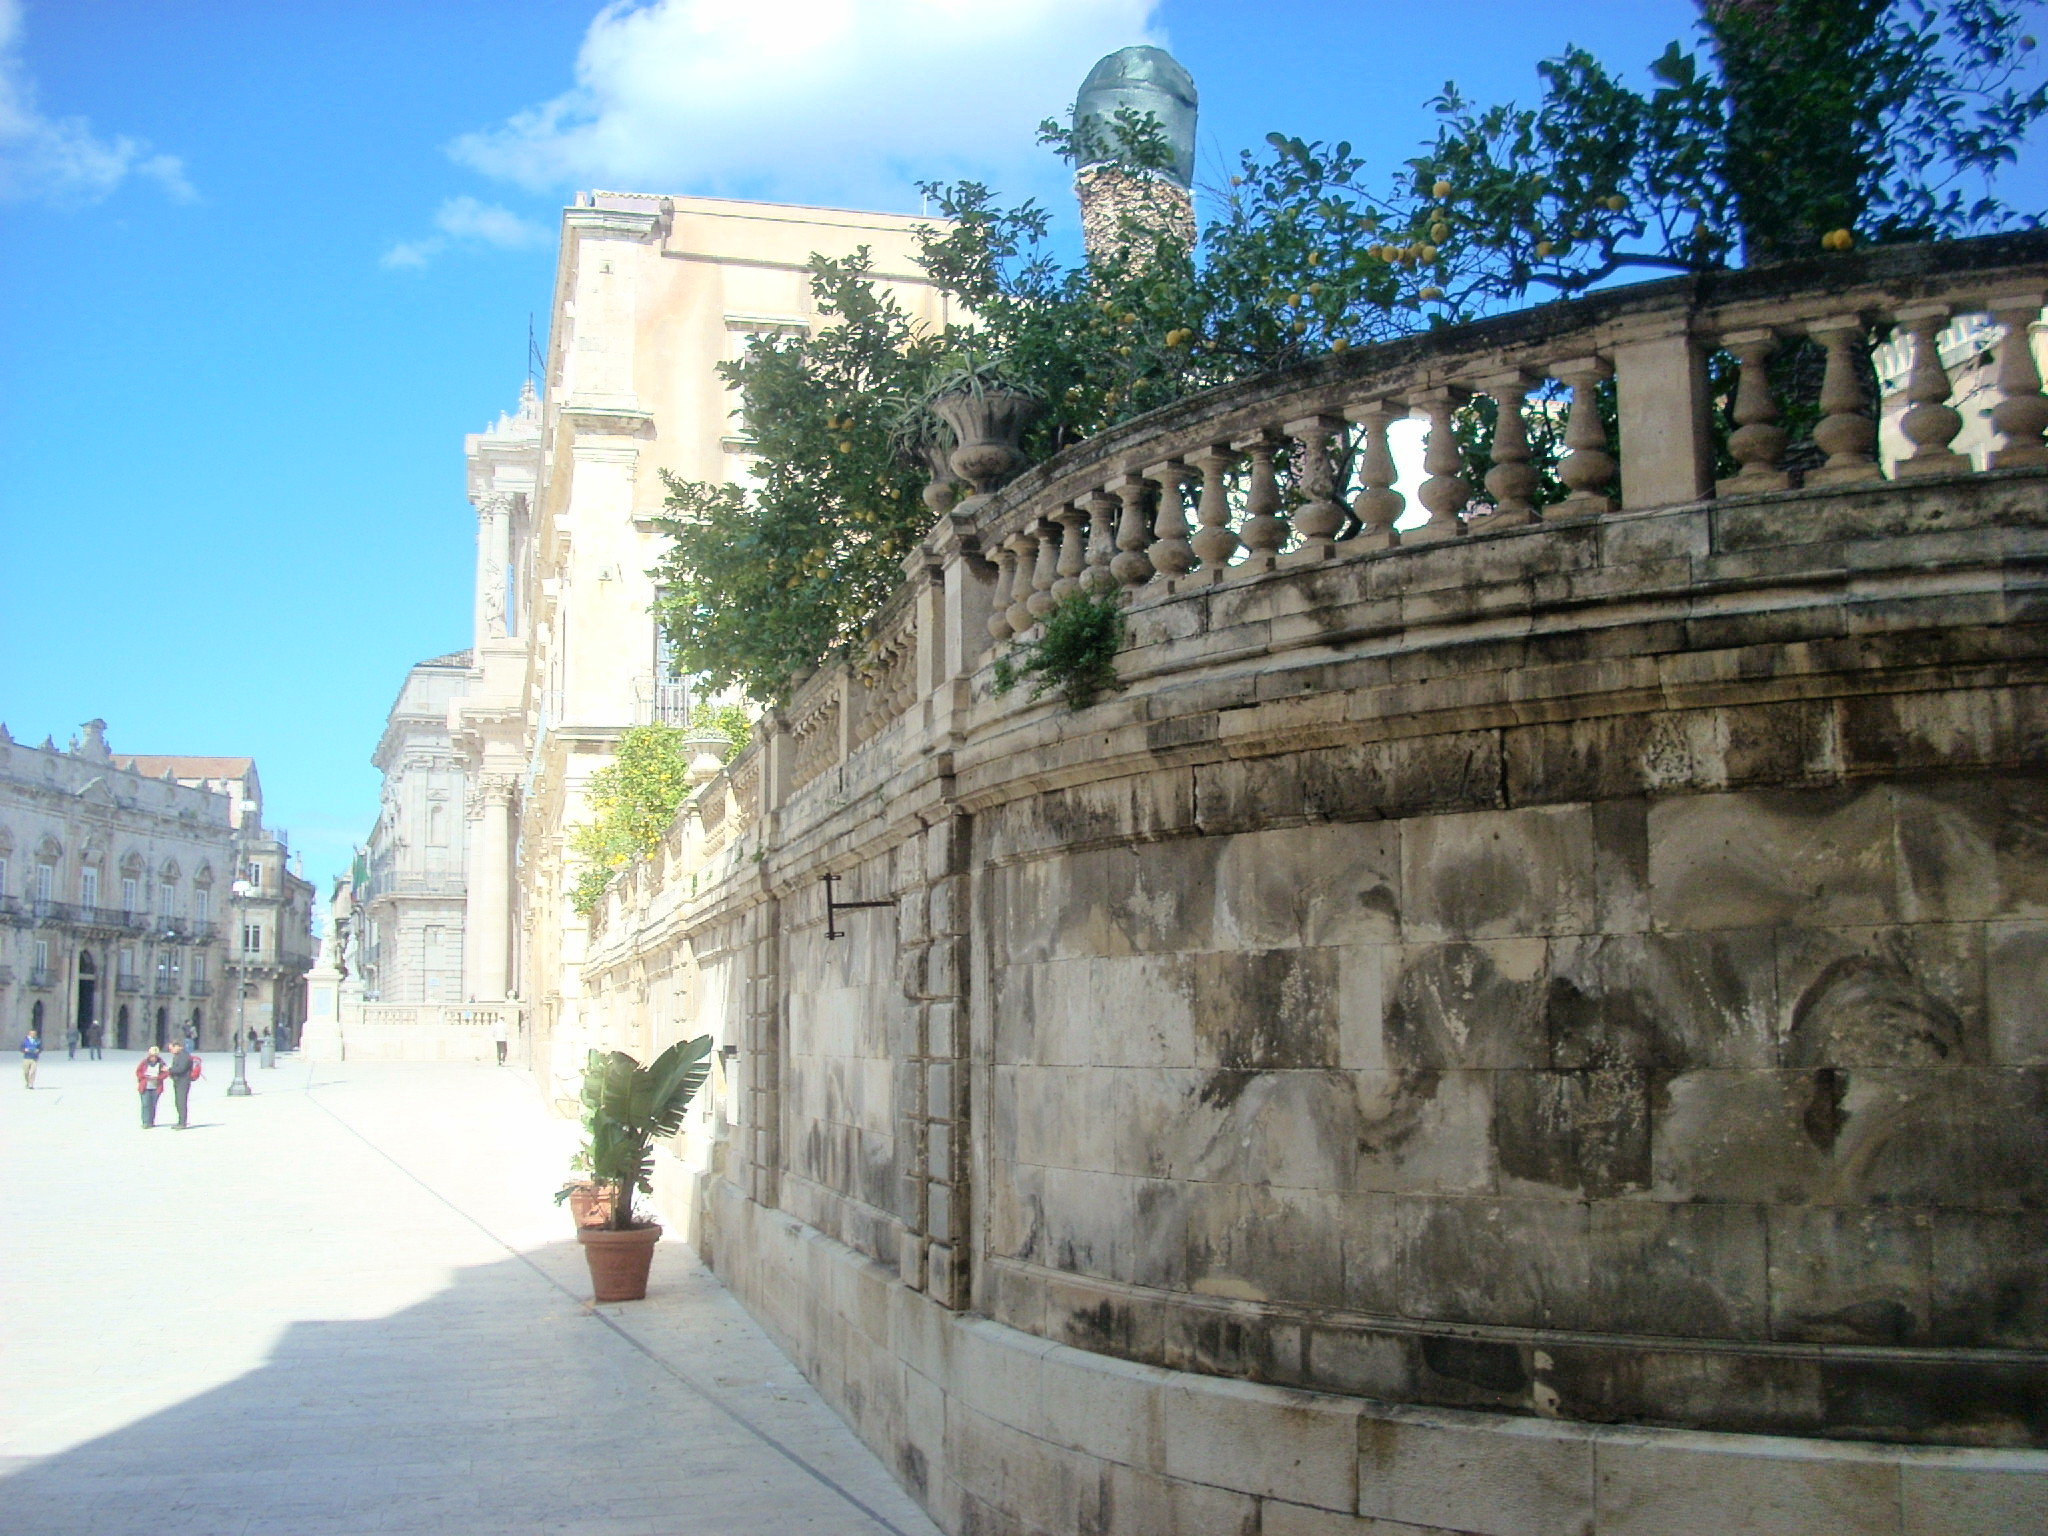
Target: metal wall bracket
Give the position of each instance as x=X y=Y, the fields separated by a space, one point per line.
x=834 y=906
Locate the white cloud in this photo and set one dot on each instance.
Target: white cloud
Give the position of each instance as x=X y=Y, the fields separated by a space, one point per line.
x=465 y=221
x=61 y=159
x=805 y=97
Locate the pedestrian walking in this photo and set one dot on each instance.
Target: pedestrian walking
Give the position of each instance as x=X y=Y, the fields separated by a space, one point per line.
x=31 y=1053
x=185 y=1070
x=500 y=1036
x=92 y=1039
x=150 y=1073
x=71 y=1042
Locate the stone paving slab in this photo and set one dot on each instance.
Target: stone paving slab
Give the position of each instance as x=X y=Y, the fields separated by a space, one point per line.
x=348 y=1305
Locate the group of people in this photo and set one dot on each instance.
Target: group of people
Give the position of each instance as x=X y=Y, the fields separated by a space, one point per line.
x=180 y=1070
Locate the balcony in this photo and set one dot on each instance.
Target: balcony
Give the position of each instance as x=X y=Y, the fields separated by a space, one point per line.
x=198 y=988
x=167 y=986
x=127 y=982
x=203 y=933
x=14 y=912
x=41 y=979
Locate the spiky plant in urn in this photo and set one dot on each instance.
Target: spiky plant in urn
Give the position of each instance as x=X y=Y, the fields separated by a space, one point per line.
x=988 y=415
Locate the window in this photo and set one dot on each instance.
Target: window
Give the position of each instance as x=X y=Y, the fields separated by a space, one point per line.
x=252 y=938
x=167 y=899
x=128 y=961
x=202 y=904
x=254 y=875
x=131 y=895
x=42 y=957
x=3 y=877
x=437 y=828
x=46 y=881
x=199 y=967
x=89 y=887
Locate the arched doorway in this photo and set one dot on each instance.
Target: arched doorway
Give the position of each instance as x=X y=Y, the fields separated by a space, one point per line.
x=198 y=1027
x=35 y=1017
x=121 y=1029
x=163 y=1027
x=88 y=997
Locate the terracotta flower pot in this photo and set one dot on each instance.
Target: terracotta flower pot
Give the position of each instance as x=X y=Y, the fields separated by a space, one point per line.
x=590 y=1205
x=619 y=1261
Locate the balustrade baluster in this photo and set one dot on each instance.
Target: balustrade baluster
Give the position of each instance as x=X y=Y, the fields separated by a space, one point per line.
x=1026 y=548
x=1171 y=553
x=1445 y=493
x=1101 y=542
x=1320 y=515
x=1131 y=566
x=1378 y=504
x=2021 y=415
x=1006 y=582
x=1758 y=442
x=1215 y=543
x=1068 y=579
x=1845 y=432
x=1930 y=422
x=1046 y=572
x=1588 y=470
x=1511 y=477
x=1265 y=531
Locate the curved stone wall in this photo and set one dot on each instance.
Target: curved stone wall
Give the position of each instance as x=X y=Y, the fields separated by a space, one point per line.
x=1618 y=998
x=1538 y=1029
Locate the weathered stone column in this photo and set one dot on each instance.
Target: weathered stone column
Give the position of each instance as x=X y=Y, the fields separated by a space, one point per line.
x=493 y=550
x=486 y=926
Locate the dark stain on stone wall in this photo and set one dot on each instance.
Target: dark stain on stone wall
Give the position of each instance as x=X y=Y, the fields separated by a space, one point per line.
x=1489 y=1365
x=1865 y=1011
x=1824 y=1116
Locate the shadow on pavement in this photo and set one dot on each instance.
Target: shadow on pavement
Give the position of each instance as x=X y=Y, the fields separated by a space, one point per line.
x=499 y=1404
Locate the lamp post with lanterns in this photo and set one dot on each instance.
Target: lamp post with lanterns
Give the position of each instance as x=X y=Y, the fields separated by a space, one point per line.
x=239 y=1088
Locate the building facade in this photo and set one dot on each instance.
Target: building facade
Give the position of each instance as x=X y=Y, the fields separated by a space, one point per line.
x=118 y=903
x=412 y=909
x=265 y=905
x=652 y=293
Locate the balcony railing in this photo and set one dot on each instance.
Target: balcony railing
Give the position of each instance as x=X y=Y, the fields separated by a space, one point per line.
x=41 y=979
x=14 y=912
x=127 y=982
x=198 y=988
x=167 y=986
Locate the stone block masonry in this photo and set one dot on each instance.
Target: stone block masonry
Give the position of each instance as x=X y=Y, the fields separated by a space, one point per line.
x=1531 y=1030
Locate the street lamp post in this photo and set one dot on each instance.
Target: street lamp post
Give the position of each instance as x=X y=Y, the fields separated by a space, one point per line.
x=239 y=1088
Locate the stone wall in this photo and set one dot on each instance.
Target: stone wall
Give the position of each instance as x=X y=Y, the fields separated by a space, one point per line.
x=1537 y=1030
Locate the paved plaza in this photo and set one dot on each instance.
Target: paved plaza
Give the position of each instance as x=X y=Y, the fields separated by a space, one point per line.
x=346 y=1305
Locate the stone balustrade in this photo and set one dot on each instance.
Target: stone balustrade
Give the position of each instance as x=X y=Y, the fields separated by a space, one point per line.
x=1115 y=512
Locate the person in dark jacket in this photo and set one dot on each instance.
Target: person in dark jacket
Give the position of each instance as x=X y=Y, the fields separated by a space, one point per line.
x=185 y=1071
x=31 y=1053
x=150 y=1073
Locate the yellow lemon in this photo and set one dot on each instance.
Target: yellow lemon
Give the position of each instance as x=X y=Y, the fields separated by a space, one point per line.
x=1439 y=231
x=1617 y=202
x=1544 y=247
x=1441 y=189
x=1432 y=292
x=1341 y=344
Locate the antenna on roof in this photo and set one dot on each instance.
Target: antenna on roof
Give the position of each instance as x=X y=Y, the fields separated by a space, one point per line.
x=536 y=365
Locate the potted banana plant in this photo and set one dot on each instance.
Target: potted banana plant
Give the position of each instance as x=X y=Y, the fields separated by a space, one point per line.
x=625 y=1107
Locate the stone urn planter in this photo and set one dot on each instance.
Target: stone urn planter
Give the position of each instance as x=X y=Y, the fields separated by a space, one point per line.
x=988 y=422
x=619 y=1260
x=590 y=1205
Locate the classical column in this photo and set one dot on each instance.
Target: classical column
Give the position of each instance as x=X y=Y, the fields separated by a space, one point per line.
x=487 y=922
x=493 y=549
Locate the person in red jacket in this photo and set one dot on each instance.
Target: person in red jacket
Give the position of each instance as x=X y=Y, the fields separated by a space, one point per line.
x=150 y=1073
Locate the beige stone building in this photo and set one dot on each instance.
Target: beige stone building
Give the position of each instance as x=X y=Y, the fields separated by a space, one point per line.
x=409 y=936
x=264 y=905
x=652 y=293
x=118 y=900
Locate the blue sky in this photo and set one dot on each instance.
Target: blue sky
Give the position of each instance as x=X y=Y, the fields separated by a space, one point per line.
x=266 y=264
